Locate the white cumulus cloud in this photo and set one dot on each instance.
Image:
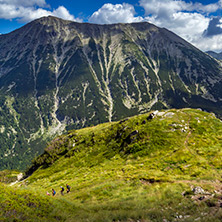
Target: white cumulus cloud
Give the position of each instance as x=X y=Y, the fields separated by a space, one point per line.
x=188 y=20
x=28 y=10
x=209 y=44
x=62 y=12
x=119 y=13
x=24 y=3
x=162 y=9
x=167 y=7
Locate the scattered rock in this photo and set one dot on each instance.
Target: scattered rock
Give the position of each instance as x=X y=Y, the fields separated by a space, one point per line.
x=201 y=198
x=20 y=176
x=131 y=137
x=169 y=114
x=151 y=116
x=144 y=122
x=160 y=113
x=198 y=190
x=156 y=112
x=183 y=193
x=135 y=132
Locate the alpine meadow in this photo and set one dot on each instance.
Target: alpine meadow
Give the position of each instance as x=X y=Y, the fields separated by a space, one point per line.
x=139 y=169
x=128 y=115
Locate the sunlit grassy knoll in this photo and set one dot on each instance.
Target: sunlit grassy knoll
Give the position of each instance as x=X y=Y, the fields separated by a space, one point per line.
x=135 y=169
x=182 y=144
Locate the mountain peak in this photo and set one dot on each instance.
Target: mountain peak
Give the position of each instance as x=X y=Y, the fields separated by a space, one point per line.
x=58 y=75
x=51 y=19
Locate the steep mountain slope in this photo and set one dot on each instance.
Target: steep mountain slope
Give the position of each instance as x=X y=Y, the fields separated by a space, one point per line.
x=215 y=55
x=137 y=169
x=57 y=75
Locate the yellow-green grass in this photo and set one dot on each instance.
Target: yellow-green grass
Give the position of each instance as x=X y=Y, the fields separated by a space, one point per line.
x=8 y=176
x=136 y=169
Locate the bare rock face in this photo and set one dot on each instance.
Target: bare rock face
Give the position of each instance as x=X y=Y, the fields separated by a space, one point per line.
x=57 y=75
x=198 y=190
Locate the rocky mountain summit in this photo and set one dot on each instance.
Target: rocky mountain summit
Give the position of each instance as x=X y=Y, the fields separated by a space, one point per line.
x=57 y=75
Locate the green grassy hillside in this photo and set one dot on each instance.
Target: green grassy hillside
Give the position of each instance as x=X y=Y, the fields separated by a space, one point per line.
x=137 y=169
x=24 y=204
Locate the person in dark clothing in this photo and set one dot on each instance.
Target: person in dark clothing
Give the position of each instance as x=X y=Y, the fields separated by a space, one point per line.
x=62 y=190
x=67 y=188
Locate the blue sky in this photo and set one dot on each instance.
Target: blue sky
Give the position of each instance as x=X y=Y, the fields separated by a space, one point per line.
x=199 y=22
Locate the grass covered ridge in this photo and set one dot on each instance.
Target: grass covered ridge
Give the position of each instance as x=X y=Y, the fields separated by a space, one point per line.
x=175 y=144
x=134 y=169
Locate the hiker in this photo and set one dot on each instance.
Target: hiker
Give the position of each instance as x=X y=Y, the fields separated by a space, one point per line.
x=53 y=192
x=47 y=193
x=67 y=188
x=62 y=190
